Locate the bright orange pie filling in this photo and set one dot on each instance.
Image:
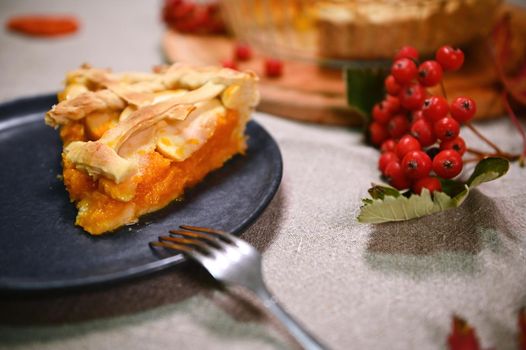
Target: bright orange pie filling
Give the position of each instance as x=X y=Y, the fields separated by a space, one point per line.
x=158 y=182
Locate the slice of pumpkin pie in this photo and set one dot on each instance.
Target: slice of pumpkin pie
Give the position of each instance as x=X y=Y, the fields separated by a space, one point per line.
x=133 y=142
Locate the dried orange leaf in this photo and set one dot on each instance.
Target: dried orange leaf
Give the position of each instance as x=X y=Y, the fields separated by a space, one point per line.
x=522 y=328
x=463 y=336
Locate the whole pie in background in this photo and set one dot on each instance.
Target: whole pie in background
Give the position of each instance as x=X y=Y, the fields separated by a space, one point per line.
x=134 y=141
x=371 y=29
x=358 y=29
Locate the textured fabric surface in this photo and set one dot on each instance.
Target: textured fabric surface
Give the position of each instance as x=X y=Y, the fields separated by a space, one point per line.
x=357 y=286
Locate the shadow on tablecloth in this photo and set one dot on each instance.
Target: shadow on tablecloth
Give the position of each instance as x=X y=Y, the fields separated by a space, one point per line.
x=443 y=243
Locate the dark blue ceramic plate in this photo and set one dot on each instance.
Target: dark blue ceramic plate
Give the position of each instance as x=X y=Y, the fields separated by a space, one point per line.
x=41 y=249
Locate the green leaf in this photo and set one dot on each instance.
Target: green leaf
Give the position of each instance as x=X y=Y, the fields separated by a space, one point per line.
x=379 y=192
x=388 y=205
x=404 y=208
x=367 y=201
x=364 y=87
x=452 y=187
x=487 y=170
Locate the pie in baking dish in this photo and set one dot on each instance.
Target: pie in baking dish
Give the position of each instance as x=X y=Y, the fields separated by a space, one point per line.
x=134 y=141
x=369 y=29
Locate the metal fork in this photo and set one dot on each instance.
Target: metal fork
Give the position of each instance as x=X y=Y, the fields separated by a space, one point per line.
x=232 y=261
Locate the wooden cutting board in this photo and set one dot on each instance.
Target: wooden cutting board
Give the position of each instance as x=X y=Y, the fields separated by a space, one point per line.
x=310 y=93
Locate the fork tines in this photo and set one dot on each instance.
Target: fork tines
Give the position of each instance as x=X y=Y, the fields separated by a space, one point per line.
x=189 y=238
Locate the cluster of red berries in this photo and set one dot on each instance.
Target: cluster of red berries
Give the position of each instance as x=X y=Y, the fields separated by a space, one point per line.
x=193 y=17
x=418 y=133
x=273 y=68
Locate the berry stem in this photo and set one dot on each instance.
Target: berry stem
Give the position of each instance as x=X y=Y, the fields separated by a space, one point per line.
x=443 y=87
x=483 y=138
x=517 y=124
x=475 y=151
x=472 y=160
x=481 y=155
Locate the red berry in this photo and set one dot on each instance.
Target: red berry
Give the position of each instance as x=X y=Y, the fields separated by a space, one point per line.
x=393 y=104
x=396 y=177
x=196 y=22
x=229 y=64
x=242 y=52
x=416 y=165
x=407 y=144
x=215 y=23
x=381 y=113
x=435 y=108
x=407 y=52
x=447 y=164
x=412 y=96
x=398 y=126
x=174 y=10
x=404 y=70
x=463 y=109
x=385 y=159
x=446 y=128
x=456 y=144
x=273 y=68
x=391 y=86
x=378 y=133
x=429 y=73
x=449 y=58
x=416 y=115
x=388 y=146
x=423 y=131
x=431 y=183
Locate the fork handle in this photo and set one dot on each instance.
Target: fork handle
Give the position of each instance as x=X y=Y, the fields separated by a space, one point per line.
x=306 y=340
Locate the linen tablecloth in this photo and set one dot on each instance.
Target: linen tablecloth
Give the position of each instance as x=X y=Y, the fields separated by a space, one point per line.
x=356 y=286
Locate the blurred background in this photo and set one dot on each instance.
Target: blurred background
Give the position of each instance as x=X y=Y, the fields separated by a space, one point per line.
x=134 y=43
x=299 y=48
